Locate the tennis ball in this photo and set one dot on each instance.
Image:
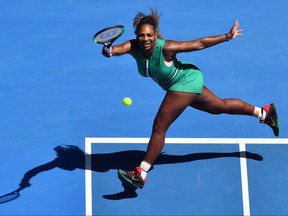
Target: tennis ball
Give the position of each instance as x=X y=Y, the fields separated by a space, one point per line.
x=127 y=101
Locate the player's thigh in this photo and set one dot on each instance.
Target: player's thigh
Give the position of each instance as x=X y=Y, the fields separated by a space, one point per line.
x=173 y=104
x=207 y=101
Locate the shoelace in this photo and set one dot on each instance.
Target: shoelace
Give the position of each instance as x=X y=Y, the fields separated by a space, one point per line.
x=131 y=172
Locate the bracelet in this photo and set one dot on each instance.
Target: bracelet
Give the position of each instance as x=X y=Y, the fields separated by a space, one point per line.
x=226 y=35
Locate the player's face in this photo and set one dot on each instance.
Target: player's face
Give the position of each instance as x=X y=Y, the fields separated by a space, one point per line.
x=147 y=37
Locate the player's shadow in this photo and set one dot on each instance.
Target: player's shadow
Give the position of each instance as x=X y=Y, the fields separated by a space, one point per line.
x=72 y=157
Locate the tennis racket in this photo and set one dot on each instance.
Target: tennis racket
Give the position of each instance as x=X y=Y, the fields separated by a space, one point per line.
x=10 y=196
x=108 y=35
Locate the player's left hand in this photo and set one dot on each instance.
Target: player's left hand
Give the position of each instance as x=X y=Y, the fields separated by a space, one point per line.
x=234 y=31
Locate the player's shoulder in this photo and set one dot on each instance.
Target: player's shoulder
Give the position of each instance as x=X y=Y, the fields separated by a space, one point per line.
x=134 y=47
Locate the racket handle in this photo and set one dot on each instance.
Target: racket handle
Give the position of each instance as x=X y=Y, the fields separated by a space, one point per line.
x=108 y=48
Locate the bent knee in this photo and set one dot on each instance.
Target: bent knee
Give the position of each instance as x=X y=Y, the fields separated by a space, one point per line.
x=159 y=127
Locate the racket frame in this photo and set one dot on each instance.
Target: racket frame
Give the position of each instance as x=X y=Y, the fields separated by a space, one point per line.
x=108 y=43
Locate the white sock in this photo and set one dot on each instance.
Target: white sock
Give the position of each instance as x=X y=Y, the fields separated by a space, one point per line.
x=145 y=168
x=263 y=115
x=258 y=112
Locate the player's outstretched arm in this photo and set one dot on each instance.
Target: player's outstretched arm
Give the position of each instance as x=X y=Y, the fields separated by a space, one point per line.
x=120 y=49
x=202 y=43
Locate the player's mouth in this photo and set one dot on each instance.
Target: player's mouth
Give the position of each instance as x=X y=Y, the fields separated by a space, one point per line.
x=147 y=45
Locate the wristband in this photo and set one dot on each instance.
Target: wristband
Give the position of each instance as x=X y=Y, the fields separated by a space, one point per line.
x=226 y=35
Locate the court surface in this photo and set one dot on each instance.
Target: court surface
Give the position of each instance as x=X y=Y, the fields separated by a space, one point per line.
x=65 y=131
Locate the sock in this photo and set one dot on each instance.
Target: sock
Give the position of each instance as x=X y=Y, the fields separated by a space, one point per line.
x=257 y=112
x=263 y=114
x=145 y=168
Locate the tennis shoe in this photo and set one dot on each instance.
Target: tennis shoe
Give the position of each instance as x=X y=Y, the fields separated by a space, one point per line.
x=133 y=177
x=271 y=118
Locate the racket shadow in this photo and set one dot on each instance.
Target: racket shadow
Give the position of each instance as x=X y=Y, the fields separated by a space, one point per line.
x=70 y=157
x=10 y=196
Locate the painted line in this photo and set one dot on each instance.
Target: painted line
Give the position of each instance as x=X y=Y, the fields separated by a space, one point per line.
x=244 y=181
x=88 y=178
x=128 y=140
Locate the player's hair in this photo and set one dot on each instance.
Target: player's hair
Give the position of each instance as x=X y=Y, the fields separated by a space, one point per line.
x=142 y=19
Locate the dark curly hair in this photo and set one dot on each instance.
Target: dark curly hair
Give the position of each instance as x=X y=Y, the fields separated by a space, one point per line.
x=142 y=19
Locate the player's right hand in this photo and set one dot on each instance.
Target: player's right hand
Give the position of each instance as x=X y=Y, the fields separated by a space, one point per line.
x=107 y=52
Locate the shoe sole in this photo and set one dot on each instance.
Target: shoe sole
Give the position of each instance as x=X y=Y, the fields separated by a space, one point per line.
x=273 y=112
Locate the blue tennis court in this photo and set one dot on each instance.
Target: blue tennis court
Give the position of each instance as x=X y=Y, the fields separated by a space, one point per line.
x=65 y=131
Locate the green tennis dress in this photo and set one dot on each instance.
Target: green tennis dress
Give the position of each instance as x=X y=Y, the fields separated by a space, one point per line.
x=180 y=76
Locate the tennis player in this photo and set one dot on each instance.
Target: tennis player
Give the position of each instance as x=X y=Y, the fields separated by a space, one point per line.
x=182 y=81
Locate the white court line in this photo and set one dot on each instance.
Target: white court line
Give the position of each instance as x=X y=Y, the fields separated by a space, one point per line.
x=128 y=140
x=88 y=178
x=244 y=181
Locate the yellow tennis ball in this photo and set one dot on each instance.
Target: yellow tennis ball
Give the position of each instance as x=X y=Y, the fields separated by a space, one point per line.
x=127 y=101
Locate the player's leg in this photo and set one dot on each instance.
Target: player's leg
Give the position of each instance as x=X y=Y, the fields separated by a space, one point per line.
x=173 y=104
x=209 y=102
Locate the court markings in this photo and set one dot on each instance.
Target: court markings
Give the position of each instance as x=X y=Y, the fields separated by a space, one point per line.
x=244 y=180
x=242 y=142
